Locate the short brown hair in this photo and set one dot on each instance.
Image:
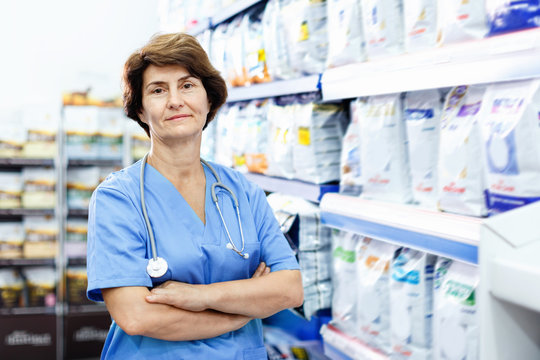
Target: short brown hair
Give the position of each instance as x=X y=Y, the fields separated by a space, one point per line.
x=171 y=49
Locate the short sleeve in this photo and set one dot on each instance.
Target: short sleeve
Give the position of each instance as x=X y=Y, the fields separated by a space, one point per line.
x=116 y=253
x=275 y=250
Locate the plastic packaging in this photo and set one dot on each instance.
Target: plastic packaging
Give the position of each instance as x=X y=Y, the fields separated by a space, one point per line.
x=40 y=281
x=350 y=182
x=38 y=188
x=420 y=19
x=257 y=133
x=41 y=235
x=346 y=43
x=461 y=181
x=280 y=137
x=507 y=16
x=459 y=21
x=411 y=310
x=422 y=113
x=81 y=183
x=383 y=27
x=11 y=187
x=511 y=142
x=385 y=163
x=11 y=288
x=11 y=240
x=456 y=320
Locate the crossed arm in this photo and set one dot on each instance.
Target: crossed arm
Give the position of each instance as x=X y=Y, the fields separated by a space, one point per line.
x=178 y=311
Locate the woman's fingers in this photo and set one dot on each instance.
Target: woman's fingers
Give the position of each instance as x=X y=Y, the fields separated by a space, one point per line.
x=261 y=270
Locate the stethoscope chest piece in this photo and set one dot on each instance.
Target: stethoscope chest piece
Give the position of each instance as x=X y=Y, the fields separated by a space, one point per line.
x=157 y=267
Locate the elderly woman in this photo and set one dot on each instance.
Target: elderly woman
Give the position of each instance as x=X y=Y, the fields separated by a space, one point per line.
x=187 y=255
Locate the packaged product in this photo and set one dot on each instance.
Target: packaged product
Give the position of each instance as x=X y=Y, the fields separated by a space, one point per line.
x=235 y=66
x=420 y=19
x=76 y=233
x=76 y=284
x=208 y=141
x=383 y=143
x=241 y=139
x=346 y=43
x=140 y=142
x=41 y=284
x=459 y=21
x=109 y=137
x=511 y=142
x=11 y=288
x=257 y=132
x=81 y=124
x=41 y=124
x=11 y=240
x=344 y=282
x=281 y=113
x=11 y=187
x=80 y=184
x=461 y=181
x=350 y=181
x=455 y=313
x=422 y=113
x=505 y=15
x=12 y=135
x=318 y=129
x=255 y=53
x=225 y=121
x=373 y=302
x=218 y=44
x=383 y=27
x=411 y=309
x=39 y=185
x=305 y=26
x=317 y=297
x=41 y=234
x=275 y=42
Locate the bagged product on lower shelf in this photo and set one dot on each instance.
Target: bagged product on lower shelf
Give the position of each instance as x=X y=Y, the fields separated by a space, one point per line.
x=11 y=187
x=76 y=284
x=350 y=181
x=411 y=309
x=281 y=112
x=420 y=19
x=344 y=281
x=80 y=184
x=11 y=240
x=11 y=288
x=459 y=21
x=422 y=116
x=455 y=313
x=317 y=297
x=384 y=157
x=316 y=265
x=38 y=188
x=41 y=284
x=318 y=129
x=346 y=43
x=383 y=27
x=76 y=236
x=373 y=302
x=511 y=139
x=461 y=181
x=41 y=234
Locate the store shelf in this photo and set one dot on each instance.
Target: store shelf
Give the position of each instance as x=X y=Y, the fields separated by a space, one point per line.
x=79 y=261
x=87 y=309
x=502 y=58
x=22 y=162
x=94 y=162
x=275 y=88
x=234 y=9
x=308 y=191
x=27 y=262
x=338 y=345
x=444 y=234
x=40 y=310
x=81 y=213
x=26 y=212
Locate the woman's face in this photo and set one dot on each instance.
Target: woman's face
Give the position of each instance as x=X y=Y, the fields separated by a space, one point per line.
x=174 y=103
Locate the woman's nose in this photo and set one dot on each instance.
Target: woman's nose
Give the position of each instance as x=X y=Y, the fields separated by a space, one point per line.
x=175 y=99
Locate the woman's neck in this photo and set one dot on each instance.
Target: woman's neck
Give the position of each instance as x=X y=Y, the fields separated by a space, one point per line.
x=176 y=162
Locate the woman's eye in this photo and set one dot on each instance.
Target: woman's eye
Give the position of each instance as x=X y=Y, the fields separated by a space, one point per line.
x=157 y=91
x=188 y=86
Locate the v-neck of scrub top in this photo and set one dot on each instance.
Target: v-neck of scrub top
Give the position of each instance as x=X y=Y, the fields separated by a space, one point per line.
x=178 y=204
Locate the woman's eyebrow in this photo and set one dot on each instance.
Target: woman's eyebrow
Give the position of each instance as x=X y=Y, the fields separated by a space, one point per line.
x=161 y=82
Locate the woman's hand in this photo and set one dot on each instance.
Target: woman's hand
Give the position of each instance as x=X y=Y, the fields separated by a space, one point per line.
x=187 y=296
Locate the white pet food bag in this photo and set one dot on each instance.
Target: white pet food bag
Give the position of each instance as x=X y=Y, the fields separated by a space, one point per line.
x=373 y=304
x=422 y=113
x=455 y=322
x=411 y=309
x=344 y=254
x=459 y=20
x=385 y=165
x=225 y=135
x=460 y=176
x=350 y=182
x=346 y=36
x=511 y=136
x=280 y=137
x=420 y=18
x=383 y=27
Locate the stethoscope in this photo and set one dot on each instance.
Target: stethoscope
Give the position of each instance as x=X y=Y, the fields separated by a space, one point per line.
x=158 y=266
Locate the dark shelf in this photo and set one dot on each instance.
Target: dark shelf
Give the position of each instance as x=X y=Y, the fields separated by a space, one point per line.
x=87 y=309
x=22 y=162
x=26 y=212
x=41 y=310
x=27 y=262
x=82 y=213
x=76 y=262
x=93 y=162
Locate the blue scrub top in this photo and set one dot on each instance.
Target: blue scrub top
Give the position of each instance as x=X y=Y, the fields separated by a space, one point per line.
x=119 y=249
